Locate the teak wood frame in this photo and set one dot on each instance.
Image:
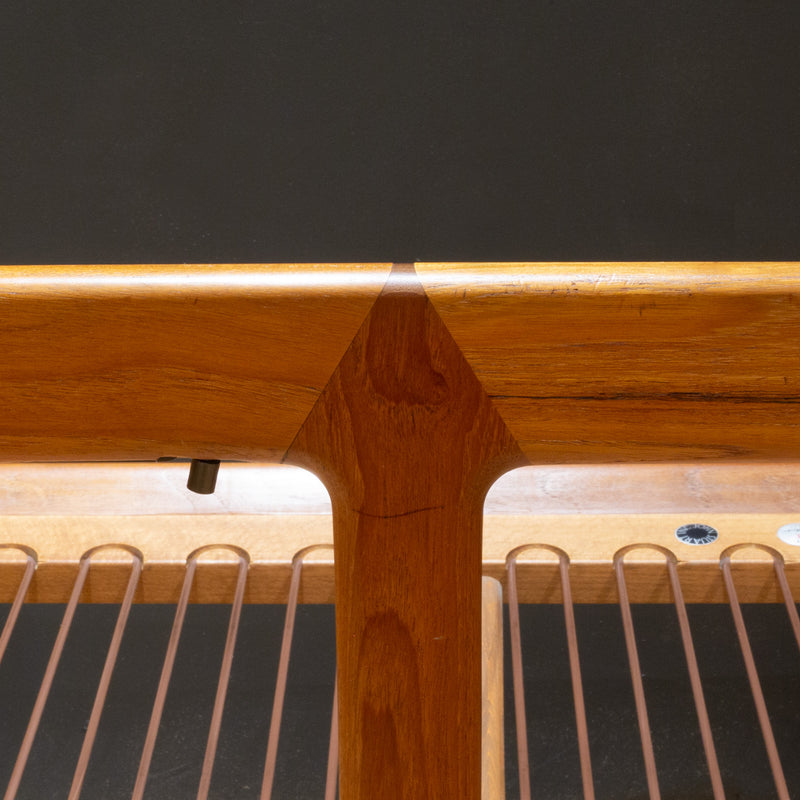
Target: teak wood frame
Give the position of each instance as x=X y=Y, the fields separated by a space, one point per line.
x=408 y=390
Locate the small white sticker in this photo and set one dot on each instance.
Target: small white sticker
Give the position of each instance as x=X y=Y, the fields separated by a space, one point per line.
x=696 y=533
x=790 y=533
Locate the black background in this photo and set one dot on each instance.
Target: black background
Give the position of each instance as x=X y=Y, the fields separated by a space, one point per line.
x=336 y=130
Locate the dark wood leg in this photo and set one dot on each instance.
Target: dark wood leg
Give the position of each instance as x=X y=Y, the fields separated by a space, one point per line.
x=407 y=443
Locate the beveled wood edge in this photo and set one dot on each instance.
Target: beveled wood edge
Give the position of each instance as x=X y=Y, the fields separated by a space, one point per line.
x=451 y=282
x=221 y=276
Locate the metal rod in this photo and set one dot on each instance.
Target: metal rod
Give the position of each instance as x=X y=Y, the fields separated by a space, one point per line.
x=225 y=672
x=574 y=663
x=163 y=684
x=750 y=665
x=283 y=671
x=577 y=683
x=636 y=678
x=108 y=667
x=694 y=678
x=691 y=663
x=169 y=662
x=47 y=682
x=791 y=606
x=19 y=597
x=203 y=475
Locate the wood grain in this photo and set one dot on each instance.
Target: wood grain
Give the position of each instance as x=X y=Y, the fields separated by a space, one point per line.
x=62 y=510
x=632 y=362
x=493 y=766
x=138 y=362
x=408 y=399
x=677 y=487
x=408 y=444
x=150 y=489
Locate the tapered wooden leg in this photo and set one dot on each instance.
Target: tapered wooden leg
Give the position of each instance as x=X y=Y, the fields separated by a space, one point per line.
x=407 y=443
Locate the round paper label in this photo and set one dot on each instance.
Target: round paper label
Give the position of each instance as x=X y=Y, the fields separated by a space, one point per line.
x=790 y=533
x=697 y=533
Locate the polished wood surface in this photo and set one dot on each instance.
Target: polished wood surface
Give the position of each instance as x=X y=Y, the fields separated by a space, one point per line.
x=144 y=489
x=408 y=444
x=584 y=362
x=690 y=487
x=271 y=511
x=200 y=361
x=632 y=362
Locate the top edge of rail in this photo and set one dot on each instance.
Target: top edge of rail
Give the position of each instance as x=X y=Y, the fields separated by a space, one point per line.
x=317 y=276
x=615 y=277
x=469 y=278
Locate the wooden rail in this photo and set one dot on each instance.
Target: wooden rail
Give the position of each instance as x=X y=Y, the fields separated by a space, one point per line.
x=408 y=390
x=271 y=511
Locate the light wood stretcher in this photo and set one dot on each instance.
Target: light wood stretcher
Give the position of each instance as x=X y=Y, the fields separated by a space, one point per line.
x=408 y=390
